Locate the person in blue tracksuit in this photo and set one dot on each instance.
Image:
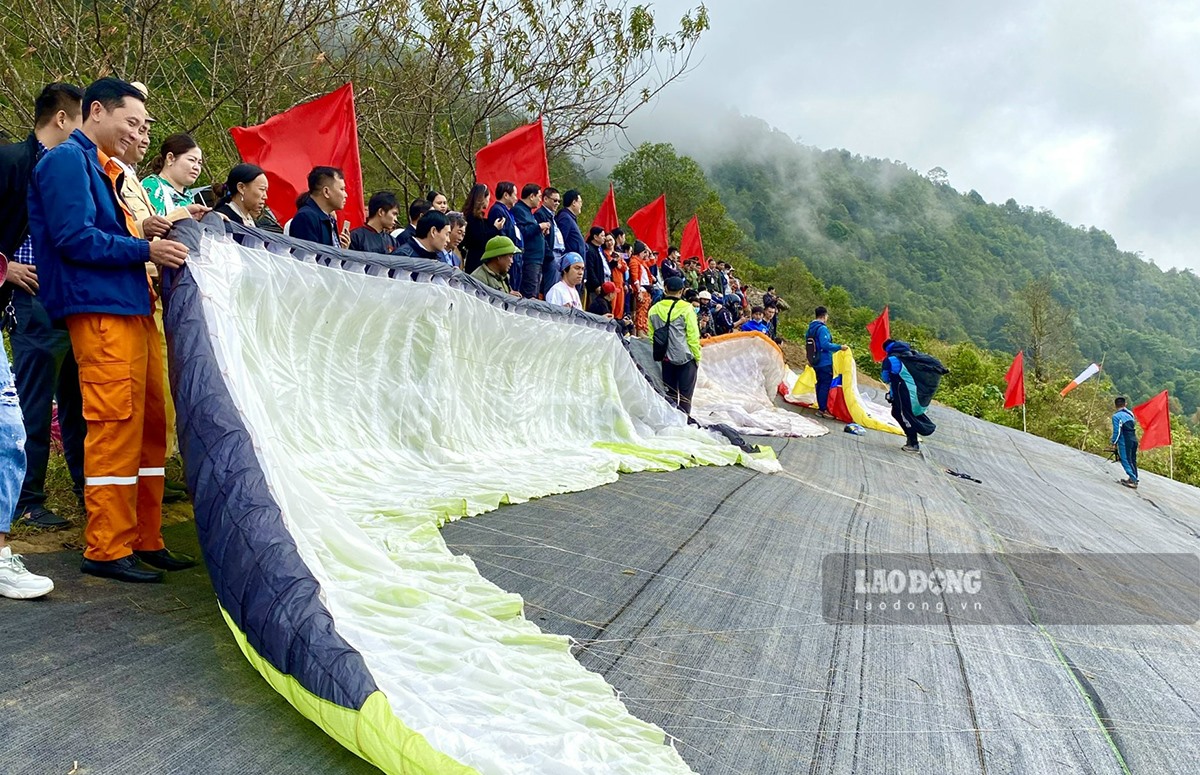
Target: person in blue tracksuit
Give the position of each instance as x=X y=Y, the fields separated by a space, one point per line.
x=818 y=331
x=1125 y=441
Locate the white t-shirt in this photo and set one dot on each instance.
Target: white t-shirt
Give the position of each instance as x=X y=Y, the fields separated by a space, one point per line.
x=564 y=295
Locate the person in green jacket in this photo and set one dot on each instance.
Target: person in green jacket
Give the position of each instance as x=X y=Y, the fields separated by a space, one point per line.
x=497 y=258
x=681 y=363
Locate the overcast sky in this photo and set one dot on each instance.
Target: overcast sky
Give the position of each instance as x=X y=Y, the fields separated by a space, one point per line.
x=1087 y=107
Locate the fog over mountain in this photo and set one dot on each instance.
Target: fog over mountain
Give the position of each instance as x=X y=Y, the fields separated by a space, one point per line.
x=1085 y=108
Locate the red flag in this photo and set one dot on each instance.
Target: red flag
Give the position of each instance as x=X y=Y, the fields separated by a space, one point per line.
x=650 y=226
x=880 y=330
x=691 y=245
x=1014 y=378
x=606 y=217
x=1155 y=418
x=323 y=132
x=518 y=157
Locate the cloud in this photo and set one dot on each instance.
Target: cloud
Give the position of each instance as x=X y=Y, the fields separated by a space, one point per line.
x=1086 y=108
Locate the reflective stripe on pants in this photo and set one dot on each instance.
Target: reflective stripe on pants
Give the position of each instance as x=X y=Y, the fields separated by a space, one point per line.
x=121 y=379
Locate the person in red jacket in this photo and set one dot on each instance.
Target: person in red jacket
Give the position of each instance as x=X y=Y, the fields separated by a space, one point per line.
x=93 y=279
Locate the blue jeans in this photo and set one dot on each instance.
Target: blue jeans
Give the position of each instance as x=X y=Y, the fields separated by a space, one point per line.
x=12 y=445
x=824 y=379
x=1128 y=452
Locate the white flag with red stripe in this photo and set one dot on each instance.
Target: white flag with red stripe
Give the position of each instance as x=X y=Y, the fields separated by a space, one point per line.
x=1084 y=376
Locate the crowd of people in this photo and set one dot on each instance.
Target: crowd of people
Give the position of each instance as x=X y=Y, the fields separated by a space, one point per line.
x=83 y=235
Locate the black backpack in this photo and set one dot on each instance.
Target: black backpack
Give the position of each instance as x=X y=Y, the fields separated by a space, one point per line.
x=811 y=353
x=662 y=336
x=926 y=371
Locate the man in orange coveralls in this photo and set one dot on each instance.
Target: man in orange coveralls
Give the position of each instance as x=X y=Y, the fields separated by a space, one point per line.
x=94 y=280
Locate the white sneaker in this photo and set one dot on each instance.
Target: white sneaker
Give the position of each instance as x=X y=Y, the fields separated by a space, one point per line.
x=16 y=581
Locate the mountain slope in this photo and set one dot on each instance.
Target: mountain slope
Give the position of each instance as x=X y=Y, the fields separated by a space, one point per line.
x=952 y=261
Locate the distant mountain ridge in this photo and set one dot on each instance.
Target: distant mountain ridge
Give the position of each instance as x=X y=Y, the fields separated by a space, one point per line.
x=951 y=261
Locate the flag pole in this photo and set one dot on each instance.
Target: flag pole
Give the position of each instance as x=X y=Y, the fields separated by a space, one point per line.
x=1024 y=427
x=1171 y=447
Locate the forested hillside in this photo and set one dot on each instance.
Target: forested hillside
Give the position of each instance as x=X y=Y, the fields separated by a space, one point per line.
x=958 y=265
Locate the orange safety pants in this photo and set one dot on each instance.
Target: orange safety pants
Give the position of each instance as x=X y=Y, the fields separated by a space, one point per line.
x=121 y=378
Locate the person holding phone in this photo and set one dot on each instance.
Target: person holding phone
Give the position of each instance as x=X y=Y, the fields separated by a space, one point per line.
x=501 y=216
x=479 y=229
x=316 y=220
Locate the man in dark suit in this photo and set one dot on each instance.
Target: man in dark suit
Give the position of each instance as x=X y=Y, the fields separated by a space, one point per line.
x=316 y=219
x=533 y=235
x=567 y=221
x=43 y=364
x=551 y=199
x=594 y=263
x=501 y=211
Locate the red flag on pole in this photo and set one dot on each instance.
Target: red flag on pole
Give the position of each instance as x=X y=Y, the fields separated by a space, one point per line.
x=1155 y=418
x=650 y=226
x=606 y=216
x=323 y=132
x=1014 y=390
x=880 y=330
x=518 y=157
x=691 y=244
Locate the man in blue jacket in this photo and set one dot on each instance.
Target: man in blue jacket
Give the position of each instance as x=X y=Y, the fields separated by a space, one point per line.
x=1125 y=441
x=567 y=221
x=93 y=278
x=533 y=239
x=820 y=349
x=501 y=210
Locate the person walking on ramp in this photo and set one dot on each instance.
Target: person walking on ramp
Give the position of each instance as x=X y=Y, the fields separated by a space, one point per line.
x=1125 y=441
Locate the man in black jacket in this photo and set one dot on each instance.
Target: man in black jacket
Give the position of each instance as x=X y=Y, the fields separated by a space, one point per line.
x=533 y=235
x=416 y=209
x=430 y=237
x=551 y=198
x=375 y=236
x=594 y=263
x=316 y=220
x=43 y=364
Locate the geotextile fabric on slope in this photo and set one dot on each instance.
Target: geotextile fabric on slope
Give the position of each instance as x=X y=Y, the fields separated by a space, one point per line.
x=802 y=389
x=739 y=377
x=330 y=421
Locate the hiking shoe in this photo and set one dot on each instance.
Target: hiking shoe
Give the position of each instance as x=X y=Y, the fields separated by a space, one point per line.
x=911 y=448
x=44 y=518
x=16 y=581
x=1129 y=483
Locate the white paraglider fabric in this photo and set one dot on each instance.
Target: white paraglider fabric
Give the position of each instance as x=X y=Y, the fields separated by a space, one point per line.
x=739 y=377
x=380 y=408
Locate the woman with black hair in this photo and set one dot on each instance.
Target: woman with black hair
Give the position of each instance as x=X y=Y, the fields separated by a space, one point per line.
x=479 y=229
x=438 y=201
x=244 y=195
x=176 y=168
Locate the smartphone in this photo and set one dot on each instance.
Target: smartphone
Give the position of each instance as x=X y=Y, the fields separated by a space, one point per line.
x=345 y=226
